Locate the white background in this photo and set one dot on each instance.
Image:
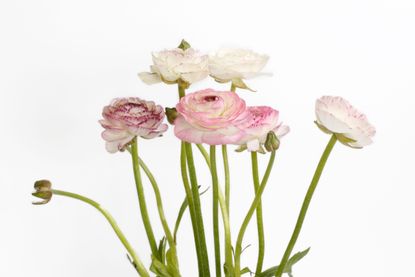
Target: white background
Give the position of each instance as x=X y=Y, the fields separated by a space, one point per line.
x=62 y=61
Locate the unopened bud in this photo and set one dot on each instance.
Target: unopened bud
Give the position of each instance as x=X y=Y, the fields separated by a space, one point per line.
x=171 y=114
x=43 y=190
x=272 y=142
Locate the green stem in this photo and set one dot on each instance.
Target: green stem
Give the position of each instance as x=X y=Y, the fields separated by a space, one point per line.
x=204 y=153
x=306 y=203
x=189 y=196
x=227 y=230
x=215 y=198
x=136 y=260
x=182 y=91
x=198 y=209
x=254 y=205
x=160 y=209
x=142 y=200
x=227 y=177
x=233 y=87
x=259 y=219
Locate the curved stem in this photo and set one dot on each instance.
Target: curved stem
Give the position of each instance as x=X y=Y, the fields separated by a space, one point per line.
x=142 y=200
x=160 y=209
x=215 y=198
x=306 y=203
x=254 y=205
x=198 y=209
x=136 y=260
x=204 y=153
x=227 y=177
x=259 y=219
x=189 y=196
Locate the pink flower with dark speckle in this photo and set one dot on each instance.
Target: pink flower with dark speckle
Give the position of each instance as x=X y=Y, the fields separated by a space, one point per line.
x=127 y=118
x=256 y=123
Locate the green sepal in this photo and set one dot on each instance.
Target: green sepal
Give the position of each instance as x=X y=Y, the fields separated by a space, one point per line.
x=184 y=45
x=240 y=84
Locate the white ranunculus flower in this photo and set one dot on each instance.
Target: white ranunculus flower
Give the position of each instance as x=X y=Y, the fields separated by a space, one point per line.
x=229 y=64
x=172 y=66
x=336 y=116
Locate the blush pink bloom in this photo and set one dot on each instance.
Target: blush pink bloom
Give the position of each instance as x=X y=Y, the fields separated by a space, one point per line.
x=336 y=116
x=256 y=123
x=208 y=116
x=127 y=118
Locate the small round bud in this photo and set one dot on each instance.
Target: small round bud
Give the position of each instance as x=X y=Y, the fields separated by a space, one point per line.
x=43 y=190
x=171 y=114
x=272 y=142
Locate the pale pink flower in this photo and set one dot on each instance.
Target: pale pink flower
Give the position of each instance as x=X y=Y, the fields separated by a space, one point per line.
x=208 y=116
x=256 y=123
x=127 y=118
x=336 y=116
x=177 y=65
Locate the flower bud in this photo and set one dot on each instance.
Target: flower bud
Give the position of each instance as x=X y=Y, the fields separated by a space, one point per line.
x=272 y=142
x=171 y=114
x=43 y=190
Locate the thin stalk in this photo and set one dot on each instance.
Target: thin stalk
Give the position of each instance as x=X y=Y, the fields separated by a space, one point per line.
x=160 y=209
x=204 y=153
x=189 y=196
x=227 y=230
x=215 y=198
x=227 y=177
x=198 y=209
x=233 y=87
x=259 y=218
x=254 y=205
x=142 y=200
x=136 y=260
x=306 y=203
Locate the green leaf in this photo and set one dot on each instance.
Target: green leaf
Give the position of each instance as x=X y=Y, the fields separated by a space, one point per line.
x=295 y=259
x=183 y=208
x=288 y=267
x=162 y=249
x=159 y=268
x=245 y=270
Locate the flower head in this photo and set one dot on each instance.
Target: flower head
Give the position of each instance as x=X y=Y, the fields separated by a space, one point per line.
x=236 y=64
x=336 y=116
x=127 y=118
x=256 y=123
x=178 y=65
x=209 y=116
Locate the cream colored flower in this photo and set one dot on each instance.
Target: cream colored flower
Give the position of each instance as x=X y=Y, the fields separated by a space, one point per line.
x=336 y=116
x=177 y=65
x=230 y=64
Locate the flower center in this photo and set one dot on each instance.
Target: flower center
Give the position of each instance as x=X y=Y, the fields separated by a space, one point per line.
x=211 y=98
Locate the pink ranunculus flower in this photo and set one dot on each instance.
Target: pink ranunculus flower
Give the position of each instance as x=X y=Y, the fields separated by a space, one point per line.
x=209 y=116
x=336 y=116
x=256 y=123
x=127 y=118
